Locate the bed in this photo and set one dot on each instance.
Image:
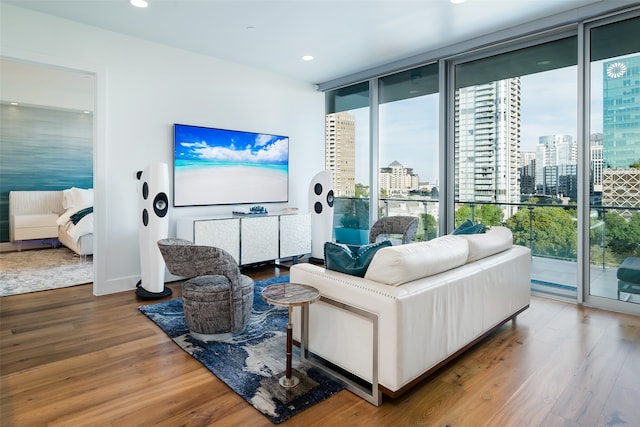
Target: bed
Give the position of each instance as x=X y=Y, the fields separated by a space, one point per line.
x=66 y=215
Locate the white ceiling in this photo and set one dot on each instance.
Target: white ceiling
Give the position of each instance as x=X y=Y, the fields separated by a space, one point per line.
x=345 y=37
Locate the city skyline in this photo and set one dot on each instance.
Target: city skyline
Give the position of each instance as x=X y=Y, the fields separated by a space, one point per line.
x=411 y=125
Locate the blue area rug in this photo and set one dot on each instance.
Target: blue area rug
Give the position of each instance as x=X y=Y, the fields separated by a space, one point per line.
x=251 y=362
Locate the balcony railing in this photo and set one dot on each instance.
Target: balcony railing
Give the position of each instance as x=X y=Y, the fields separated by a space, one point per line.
x=550 y=230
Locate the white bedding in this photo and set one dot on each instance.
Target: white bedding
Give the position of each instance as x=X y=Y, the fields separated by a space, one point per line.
x=82 y=228
x=75 y=200
x=79 y=237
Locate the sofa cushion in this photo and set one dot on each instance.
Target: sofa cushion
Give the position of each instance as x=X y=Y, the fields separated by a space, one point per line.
x=396 y=265
x=351 y=260
x=468 y=227
x=495 y=240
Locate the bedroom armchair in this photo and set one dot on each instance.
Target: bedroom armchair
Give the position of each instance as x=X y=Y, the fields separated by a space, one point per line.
x=217 y=299
x=407 y=226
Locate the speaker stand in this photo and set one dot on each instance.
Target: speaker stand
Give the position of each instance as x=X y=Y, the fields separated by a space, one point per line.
x=145 y=294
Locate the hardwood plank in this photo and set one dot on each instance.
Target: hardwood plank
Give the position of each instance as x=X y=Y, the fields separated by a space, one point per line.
x=70 y=358
x=586 y=393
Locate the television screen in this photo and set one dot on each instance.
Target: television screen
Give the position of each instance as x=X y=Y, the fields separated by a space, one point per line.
x=224 y=167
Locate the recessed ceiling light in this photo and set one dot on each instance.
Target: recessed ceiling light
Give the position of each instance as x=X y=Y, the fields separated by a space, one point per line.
x=544 y=62
x=13 y=103
x=307 y=58
x=457 y=1
x=139 y=3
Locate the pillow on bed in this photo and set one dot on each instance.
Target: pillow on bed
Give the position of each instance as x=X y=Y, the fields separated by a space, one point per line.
x=75 y=197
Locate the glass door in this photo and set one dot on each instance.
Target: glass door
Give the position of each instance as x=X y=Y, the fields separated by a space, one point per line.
x=409 y=157
x=347 y=150
x=614 y=156
x=515 y=153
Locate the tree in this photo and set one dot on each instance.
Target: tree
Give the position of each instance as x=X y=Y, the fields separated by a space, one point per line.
x=462 y=214
x=354 y=213
x=432 y=227
x=486 y=214
x=361 y=191
x=553 y=231
x=623 y=236
x=489 y=214
x=635 y=165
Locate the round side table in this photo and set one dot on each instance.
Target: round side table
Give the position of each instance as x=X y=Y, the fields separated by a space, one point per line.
x=289 y=295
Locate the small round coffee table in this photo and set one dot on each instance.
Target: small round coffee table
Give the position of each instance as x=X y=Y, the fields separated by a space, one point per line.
x=290 y=295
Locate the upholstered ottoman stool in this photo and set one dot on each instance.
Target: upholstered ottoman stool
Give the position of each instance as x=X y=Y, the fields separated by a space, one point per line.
x=207 y=306
x=629 y=276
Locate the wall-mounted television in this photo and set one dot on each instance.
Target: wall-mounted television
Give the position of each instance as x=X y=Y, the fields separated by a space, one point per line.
x=224 y=167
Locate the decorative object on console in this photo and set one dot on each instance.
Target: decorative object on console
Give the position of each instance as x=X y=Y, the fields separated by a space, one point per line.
x=321 y=207
x=226 y=167
x=255 y=210
x=154 y=225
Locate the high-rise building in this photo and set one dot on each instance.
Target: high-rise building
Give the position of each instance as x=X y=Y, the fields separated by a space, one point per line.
x=340 y=152
x=621 y=117
x=527 y=168
x=487 y=132
x=556 y=161
x=398 y=180
x=621 y=187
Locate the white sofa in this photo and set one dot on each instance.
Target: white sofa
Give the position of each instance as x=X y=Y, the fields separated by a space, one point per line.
x=430 y=300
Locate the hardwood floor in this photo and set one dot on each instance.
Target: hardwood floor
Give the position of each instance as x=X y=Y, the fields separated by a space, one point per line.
x=69 y=358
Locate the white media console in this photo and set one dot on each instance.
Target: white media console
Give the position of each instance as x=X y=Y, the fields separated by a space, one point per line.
x=251 y=238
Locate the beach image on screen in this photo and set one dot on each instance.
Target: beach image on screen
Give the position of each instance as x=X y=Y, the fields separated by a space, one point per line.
x=219 y=166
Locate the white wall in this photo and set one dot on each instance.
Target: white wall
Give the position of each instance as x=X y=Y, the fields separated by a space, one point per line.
x=141 y=90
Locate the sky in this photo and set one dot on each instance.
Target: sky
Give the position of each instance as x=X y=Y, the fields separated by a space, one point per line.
x=409 y=128
x=192 y=142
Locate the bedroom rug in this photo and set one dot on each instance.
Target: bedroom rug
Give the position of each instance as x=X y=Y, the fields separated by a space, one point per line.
x=248 y=361
x=43 y=269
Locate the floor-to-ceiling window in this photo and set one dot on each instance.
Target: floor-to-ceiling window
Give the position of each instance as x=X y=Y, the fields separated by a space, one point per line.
x=516 y=153
x=347 y=150
x=614 y=156
x=525 y=142
x=408 y=147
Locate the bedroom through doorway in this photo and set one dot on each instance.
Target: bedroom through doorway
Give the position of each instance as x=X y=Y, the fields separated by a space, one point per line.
x=47 y=144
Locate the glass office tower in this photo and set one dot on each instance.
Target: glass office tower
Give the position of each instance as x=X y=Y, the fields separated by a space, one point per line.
x=621 y=112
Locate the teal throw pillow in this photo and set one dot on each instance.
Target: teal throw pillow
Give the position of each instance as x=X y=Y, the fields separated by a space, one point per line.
x=468 y=227
x=351 y=260
x=467 y=224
